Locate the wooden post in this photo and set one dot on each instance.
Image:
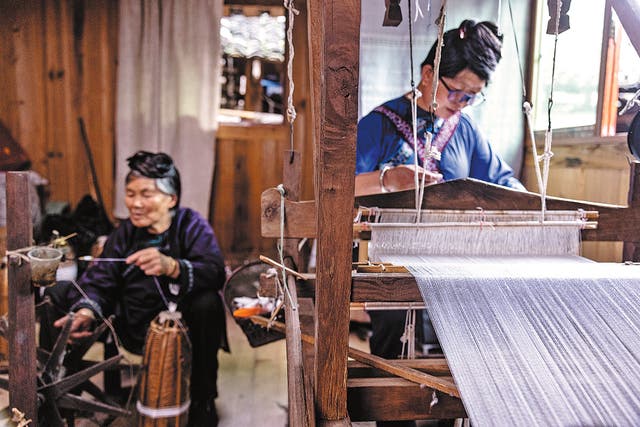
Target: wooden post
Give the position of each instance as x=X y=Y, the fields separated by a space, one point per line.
x=22 y=318
x=334 y=40
x=298 y=386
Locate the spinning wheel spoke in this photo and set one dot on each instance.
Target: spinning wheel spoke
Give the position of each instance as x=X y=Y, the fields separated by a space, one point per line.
x=81 y=348
x=49 y=412
x=54 y=363
x=70 y=401
x=58 y=388
x=96 y=392
x=42 y=355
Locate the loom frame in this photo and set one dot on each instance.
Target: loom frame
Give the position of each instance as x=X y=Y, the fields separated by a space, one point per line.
x=333 y=32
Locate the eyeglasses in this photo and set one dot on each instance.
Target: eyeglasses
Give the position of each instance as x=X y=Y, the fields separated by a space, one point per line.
x=462 y=97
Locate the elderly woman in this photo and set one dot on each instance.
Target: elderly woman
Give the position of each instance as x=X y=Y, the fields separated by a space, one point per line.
x=172 y=260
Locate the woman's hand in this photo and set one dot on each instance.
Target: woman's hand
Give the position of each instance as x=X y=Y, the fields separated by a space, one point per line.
x=154 y=263
x=402 y=177
x=81 y=326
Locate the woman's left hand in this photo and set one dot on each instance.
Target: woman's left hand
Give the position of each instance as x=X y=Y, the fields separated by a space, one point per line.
x=152 y=262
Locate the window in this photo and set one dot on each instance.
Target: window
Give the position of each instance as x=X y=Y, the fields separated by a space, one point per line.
x=252 y=62
x=577 y=70
x=593 y=83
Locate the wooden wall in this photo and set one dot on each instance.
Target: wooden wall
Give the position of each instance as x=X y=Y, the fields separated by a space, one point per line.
x=248 y=160
x=587 y=168
x=57 y=64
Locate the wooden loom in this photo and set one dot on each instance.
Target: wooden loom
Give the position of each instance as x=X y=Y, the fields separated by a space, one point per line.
x=404 y=399
x=338 y=396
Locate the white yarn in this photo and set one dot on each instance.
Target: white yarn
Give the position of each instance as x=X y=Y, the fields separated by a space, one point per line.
x=537 y=341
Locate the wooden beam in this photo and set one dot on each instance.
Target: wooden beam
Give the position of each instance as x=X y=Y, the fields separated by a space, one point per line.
x=300 y=399
x=435 y=366
x=390 y=399
x=615 y=223
x=437 y=383
x=22 y=314
x=402 y=370
x=300 y=220
x=335 y=34
x=299 y=388
x=385 y=287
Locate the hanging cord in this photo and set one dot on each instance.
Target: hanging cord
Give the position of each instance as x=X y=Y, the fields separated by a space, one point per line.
x=419 y=13
x=409 y=336
x=291 y=109
x=415 y=94
x=527 y=109
x=548 y=137
x=499 y=14
x=171 y=307
x=434 y=105
x=280 y=244
x=517 y=47
x=436 y=63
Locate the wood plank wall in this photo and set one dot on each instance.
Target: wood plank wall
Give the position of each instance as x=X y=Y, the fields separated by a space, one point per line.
x=248 y=160
x=587 y=168
x=58 y=63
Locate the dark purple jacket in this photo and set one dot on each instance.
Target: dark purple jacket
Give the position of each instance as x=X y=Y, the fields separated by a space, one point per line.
x=124 y=290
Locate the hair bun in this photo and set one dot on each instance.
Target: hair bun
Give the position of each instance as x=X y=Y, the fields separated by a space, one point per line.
x=152 y=165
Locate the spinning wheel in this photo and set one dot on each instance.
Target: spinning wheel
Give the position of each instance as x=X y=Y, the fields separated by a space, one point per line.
x=63 y=375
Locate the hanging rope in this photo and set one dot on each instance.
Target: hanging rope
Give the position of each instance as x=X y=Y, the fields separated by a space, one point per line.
x=434 y=105
x=291 y=109
x=409 y=336
x=415 y=94
x=419 y=13
x=542 y=176
x=285 y=286
x=548 y=137
x=436 y=63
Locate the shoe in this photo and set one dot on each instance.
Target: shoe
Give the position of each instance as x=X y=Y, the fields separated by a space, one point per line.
x=203 y=413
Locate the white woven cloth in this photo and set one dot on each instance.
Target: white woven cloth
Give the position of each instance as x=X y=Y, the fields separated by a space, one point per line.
x=537 y=341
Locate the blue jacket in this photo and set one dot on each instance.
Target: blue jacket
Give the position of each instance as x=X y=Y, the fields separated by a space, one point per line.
x=467 y=155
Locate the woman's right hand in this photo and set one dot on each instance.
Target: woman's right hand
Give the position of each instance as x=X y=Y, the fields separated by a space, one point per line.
x=402 y=177
x=81 y=326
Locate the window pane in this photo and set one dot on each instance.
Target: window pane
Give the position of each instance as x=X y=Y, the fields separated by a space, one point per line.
x=575 y=91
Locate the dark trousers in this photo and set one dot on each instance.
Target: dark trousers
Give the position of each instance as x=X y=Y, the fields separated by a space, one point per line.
x=204 y=315
x=387 y=327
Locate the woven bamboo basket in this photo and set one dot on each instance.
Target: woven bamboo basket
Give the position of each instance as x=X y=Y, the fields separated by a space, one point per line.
x=164 y=384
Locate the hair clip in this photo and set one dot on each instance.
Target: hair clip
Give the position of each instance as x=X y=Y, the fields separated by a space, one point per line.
x=462 y=33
